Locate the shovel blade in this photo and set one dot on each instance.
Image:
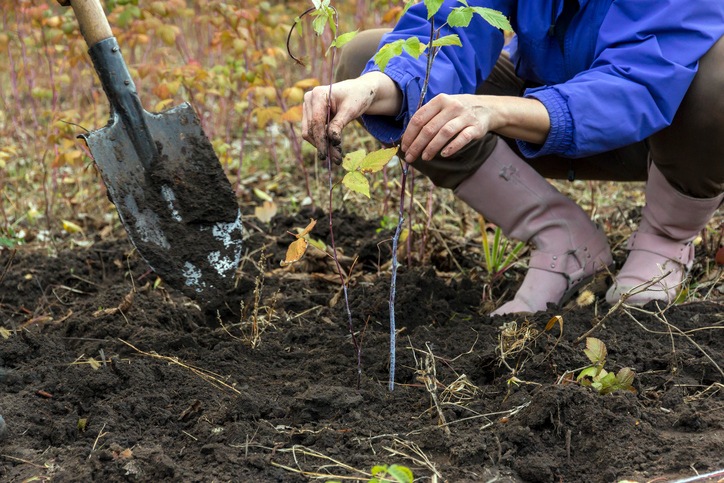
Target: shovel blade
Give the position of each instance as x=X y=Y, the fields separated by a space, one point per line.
x=179 y=209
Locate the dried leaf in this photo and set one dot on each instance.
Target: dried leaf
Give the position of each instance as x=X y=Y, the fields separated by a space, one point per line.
x=295 y=252
x=556 y=319
x=307 y=229
x=266 y=211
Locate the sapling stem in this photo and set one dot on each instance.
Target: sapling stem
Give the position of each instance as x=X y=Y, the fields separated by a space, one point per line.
x=401 y=218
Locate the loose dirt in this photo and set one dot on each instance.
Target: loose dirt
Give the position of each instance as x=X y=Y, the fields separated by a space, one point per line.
x=108 y=378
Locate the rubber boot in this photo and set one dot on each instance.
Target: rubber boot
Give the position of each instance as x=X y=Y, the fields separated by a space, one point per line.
x=569 y=249
x=661 y=250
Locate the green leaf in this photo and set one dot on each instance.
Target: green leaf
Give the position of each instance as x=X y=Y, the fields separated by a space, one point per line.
x=451 y=39
x=318 y=24
x=352 y=160
x=432 y=7
x=377 y=469
x=595 y=350
x=356 y=181
x=494 y=18
x=460 y=17
x=414 y=47
x=590 y=371
x=387 y=53
x=376 y=160
x=625 y=377
x=331 y=20
x=344 y=38
x=401 y=474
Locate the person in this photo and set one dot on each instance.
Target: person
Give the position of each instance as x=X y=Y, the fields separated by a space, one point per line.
x=628 y=90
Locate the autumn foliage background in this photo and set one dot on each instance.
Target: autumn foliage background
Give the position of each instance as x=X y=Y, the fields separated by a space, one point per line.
x=228 y=59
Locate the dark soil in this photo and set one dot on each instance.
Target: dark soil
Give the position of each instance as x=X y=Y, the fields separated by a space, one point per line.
x=106 y=378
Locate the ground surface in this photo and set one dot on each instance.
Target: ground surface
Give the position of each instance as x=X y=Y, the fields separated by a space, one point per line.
x=161 y=391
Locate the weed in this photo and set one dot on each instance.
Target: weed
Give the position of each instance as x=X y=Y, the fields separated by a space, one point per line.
x=599 y=378
x=388 y=474
x=498 y=256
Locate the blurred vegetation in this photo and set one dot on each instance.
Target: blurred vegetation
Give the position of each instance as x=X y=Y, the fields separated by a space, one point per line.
x=228 y=59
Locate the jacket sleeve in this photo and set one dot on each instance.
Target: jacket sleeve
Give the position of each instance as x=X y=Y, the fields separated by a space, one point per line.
x=646 y=57
x=455 y=70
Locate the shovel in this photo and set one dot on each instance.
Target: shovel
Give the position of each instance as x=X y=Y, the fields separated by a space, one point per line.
x=163 y=176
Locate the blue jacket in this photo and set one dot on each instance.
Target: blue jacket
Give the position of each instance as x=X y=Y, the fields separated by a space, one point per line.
x=615 y=76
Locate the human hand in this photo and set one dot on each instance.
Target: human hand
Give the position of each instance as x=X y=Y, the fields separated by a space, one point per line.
x=372 y=93
x=447 y=123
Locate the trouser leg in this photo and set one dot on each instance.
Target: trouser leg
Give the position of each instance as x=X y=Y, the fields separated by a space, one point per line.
x=690 y=152
x=684 y=190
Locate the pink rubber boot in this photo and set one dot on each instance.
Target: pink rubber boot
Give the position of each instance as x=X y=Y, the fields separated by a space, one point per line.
x=662 y=246
x=569 y=249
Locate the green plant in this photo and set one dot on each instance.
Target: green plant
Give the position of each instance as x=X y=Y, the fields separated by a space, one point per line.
x=358 y=164
x=599 y=378
x=388 y=474
x=498 y=256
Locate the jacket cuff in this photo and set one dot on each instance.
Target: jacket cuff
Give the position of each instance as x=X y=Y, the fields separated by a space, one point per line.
x=560 y=137
x=388 y=129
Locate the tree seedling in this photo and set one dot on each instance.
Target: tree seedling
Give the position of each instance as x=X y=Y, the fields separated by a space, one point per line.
x=358 y=164
x=599 y=378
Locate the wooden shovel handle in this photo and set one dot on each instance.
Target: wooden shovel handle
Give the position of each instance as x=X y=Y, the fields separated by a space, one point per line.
x=92 y=20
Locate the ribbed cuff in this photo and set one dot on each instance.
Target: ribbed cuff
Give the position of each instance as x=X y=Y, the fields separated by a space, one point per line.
x=560 y=137
x=387 y=129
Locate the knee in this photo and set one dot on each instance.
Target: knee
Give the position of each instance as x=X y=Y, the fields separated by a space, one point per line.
x=353 y=56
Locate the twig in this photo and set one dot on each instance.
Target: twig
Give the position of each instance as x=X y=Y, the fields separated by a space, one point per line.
x=202 y=373
x=661 y=318
x=95 y=443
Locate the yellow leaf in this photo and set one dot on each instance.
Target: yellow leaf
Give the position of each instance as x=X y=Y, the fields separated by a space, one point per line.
x=5 y=333
x=352 y=160
x=162 y=105
x=376 y=160
x=266 y=211
x=260 y=194
x=295 y=95
x=293 y=114
x=167 y=33
x=265 y=115
x=307 y=83
x=356 y=181
x=71 y=227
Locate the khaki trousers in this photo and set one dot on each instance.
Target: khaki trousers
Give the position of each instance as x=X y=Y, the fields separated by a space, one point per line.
x=689 y=152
